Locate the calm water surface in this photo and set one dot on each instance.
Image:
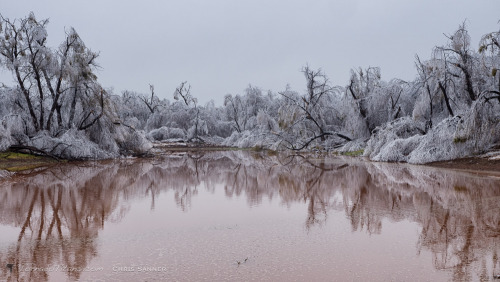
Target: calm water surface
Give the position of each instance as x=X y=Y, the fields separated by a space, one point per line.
x=243 y=216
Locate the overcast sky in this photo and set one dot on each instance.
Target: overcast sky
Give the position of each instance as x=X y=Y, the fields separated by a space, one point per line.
x=221 y=46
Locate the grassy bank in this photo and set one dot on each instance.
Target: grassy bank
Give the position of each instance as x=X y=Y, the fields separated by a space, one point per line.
x=14 y=161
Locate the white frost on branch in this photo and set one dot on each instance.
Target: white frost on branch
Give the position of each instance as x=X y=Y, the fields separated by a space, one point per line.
x=399 y=129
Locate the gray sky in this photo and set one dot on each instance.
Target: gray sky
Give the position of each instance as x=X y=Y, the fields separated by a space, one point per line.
x=221 y=46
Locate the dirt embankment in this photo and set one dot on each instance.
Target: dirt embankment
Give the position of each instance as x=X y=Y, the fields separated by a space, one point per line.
x=481 y=164
x=171 y=147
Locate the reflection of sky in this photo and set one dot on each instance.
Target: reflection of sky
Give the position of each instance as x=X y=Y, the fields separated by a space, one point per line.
x=207 y=241
x=8 y=234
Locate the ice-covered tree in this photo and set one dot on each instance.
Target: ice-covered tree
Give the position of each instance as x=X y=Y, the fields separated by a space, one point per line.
x=461 y=65
x=22 y=46
x=242 y=110
x=63 y=109
x=197 y=125
x=311 y=116
x=236 y=111
x=152 y=102
x=133 y=111
x=56 y=84
x=489 y=48
x=361 y=85
x=457 y=90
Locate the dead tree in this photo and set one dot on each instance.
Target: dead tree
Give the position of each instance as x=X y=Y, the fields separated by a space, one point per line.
x=152 y=102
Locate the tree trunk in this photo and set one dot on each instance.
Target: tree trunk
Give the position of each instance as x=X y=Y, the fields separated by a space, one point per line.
x=429 y=122
x=73 y=106
x=54 y=101
x=28 y=99
x=468 y=82
x=40 y=91
x=446 y=99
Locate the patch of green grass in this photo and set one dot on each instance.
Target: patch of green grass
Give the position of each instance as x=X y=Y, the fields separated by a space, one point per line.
x=354 y=153
x=18 y=156
x=23 y=167
x=15 y=162
x=4 y=155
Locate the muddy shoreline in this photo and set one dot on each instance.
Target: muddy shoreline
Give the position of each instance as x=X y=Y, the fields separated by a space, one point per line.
x=478 y=165
x=18 y=162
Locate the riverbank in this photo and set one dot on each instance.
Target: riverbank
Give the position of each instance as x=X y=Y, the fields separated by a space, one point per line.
x=488 y=164
x=171 y=147
x=15 y=161
x=484 y=164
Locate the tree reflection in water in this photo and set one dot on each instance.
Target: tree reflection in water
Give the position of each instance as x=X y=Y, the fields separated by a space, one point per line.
x=60 y=210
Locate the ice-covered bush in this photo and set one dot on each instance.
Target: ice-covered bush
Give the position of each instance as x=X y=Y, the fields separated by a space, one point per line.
x=247 y=139
x=220 y=128
x=104 y=134
x=481 y=125
x=5 y=139
x=441 y=144
x=73 y=144
x=233 y=139
x=165 y=133
x=398 y=129
x=454 y=137
x=355 y=125
x=132 y=142
x=353 y=146
x=266 y=123
x=398 y=150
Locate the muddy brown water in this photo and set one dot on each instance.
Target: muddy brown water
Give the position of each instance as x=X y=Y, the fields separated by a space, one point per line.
x=245 y=216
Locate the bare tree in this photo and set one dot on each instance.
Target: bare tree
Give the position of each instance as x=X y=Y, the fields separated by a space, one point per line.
x=313 y=105
x=183 y=91
x=153 y=102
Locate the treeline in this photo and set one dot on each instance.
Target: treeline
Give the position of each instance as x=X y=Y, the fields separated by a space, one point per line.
x=451 y=110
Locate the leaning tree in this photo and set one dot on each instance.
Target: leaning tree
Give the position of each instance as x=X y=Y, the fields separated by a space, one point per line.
x=57 y=88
